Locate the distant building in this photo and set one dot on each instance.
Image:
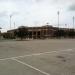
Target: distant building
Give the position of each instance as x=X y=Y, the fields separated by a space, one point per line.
x=0 y=33
x=37 y=32
x=42 y=32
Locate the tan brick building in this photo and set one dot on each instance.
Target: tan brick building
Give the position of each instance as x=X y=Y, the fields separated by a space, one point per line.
x=42 y=32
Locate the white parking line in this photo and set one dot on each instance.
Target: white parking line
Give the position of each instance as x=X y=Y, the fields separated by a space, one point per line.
x=45 y=73
x=36 y=54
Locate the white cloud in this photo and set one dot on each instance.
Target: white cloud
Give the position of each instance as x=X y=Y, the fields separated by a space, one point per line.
x=31 y=12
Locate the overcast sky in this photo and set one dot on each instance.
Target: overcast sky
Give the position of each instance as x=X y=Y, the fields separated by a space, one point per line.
x=36 y=12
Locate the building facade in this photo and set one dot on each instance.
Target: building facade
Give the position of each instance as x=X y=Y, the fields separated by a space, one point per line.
x=40 y=32
x=43 y=32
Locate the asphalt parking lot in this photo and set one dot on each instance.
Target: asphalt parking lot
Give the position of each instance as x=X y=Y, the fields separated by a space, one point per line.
x=38 y=57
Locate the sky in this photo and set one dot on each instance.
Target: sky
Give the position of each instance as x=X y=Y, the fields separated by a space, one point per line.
x=36 y=13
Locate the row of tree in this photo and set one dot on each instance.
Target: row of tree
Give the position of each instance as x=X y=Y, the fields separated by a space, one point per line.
x=22 y=33
x=65 y=33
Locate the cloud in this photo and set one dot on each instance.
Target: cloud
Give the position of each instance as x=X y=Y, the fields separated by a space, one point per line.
x=3 y=14
x=32 y=12
x=72 y=7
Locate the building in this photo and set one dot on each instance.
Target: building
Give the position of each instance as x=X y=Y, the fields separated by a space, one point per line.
x=42 y=32
x=46 y=31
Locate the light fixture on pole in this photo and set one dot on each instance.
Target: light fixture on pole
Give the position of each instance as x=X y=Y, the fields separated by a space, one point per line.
x=66 y=25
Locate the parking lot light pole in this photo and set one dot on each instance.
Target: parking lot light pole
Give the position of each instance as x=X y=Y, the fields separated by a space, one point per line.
x=73 y=21
x=0 y=32
x=14 y=25
x=58 y=18
x=10 y=21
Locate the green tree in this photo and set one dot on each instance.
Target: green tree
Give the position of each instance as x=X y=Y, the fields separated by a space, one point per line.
x=22 y=32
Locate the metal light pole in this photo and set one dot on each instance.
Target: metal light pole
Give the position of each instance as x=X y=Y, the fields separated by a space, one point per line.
x=58 y=18
x=73 y=21
x=0 y=32
x=14 y=25
x=10 y=21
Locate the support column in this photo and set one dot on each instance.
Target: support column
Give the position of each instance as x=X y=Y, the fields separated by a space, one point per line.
x=40 y=34
x=32 y=34
x=46 y=32
x=36 y=34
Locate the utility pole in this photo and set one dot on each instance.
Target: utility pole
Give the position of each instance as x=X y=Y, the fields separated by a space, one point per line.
x=73 y=21
x=10 y=21
x=58 y=18
x=14 y=25
x=0 y=32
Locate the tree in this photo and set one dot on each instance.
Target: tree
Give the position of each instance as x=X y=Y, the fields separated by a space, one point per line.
x=59 y=33
x=71 y=33
x=21 y=32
